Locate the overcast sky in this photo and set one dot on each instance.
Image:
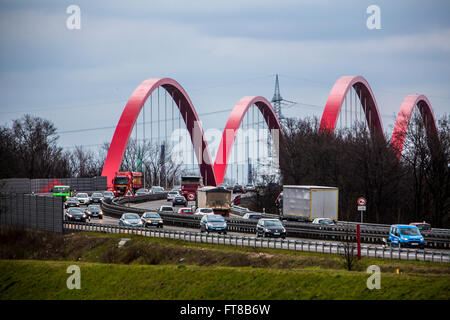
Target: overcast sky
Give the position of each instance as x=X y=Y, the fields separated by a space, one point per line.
x=219 y=51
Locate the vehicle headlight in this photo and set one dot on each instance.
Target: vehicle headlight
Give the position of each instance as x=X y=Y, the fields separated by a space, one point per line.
x=100 y=212
x=140 y=222
x=266 y=230
x=209 y=224
x=69 y=215
x=84 y=215
x=160 y=221
x=404 y=239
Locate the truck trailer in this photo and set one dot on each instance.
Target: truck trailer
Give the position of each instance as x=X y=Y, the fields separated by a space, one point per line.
x=218 y=199
x=305 y=203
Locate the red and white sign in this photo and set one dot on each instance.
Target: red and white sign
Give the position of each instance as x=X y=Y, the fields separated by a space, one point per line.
x=129 y=194
x=361 y=204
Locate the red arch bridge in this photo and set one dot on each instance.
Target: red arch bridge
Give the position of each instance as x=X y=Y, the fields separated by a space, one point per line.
x=213 y=173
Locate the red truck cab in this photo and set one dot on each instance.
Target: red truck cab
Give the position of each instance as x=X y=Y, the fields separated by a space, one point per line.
x=189 y=186
x=126 y=180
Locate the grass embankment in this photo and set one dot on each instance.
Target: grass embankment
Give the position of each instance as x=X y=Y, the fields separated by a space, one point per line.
x=148 y=268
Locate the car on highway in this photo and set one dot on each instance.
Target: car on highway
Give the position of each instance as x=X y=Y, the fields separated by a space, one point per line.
x=83 y=198
x=213 y=223
x=422 y=226
x=203 y=211
x=185 y=210
x=237 y=188
x=152 y=219
x=324 y=221
x=96 y=197
x=94 y=210
x=156 y=190
x=176 y=188
x=130 y=220
x=270 y=228
x=142 y=192
x=165 y=209
x=405 y=236
x=171 y=195
x=252 y=216
x=71 y=202
x=179 y=200
x=223 y=186
x=76 y=214
x=250 y=187
x=108 y=196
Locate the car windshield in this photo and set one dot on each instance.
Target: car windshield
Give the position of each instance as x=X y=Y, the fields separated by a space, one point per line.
x=186 y=210
x=326 y=221
x=97 y=195
x=424 y=227
x=94 y=208
x=157 y=189
x=215 y=219
x=206 y=210
x=75 y=210
x=121 y=180
x=152 y=215
x=272 y=223
x=409 y=231
x=108 y=193
x=173 y=192
x=254 y=216
x=82 y=195
x=71 y=199
x=131 y=216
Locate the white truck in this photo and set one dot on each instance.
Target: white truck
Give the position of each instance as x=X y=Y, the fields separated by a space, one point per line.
x=218 y=199
x=305 y=203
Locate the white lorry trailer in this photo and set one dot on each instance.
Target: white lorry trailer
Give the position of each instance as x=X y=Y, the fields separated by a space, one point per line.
x=217 y=199
x=305 y=203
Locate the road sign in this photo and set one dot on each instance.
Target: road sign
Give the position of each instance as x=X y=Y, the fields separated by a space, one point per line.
x=129 y=194
x=362 y=201
x=361 y=206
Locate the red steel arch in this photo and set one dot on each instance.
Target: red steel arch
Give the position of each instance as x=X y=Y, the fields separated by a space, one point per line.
x=130 y=114
x=232 y=126
x=336 y=98
x=404 y=115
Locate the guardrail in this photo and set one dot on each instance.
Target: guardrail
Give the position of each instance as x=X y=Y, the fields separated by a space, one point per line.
x=271 y=243
x=294 y=229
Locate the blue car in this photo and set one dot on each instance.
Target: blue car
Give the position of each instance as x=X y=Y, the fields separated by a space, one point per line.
x=213 y=223
x=130 y=220
x=406 y=236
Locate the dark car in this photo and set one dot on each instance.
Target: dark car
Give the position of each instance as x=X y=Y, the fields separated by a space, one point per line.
x=152 y=219
x=96 y=197
x=108 y=196
x=94 y=210
x=213 y=223
x=76 y=214
x=237 y=188
x=270 y=228
x=179 y=200
x=71 y=202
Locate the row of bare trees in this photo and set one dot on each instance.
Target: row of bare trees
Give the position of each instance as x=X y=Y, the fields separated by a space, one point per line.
x=29 y=149
x=416 y=188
